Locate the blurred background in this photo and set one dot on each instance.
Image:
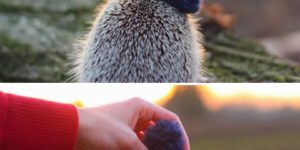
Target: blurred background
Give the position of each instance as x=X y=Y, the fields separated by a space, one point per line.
x=261 y=19
x=275 y=23
x=37 y=36
x=238 y=117
x=216 y=116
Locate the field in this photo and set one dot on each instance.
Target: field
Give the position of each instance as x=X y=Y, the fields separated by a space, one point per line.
x=274 y=141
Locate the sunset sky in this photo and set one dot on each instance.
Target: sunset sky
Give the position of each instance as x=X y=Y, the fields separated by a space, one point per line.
x=261 y=96
x=89 y=94
x=215 y=96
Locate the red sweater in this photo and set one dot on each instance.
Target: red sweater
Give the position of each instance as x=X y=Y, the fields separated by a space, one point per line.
x=33 y=124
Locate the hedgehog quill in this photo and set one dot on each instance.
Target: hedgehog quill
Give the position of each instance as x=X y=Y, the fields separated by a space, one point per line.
x=142 y=41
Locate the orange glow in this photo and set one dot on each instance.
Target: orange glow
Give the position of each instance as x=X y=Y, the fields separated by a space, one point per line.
x=261 y=96
x=214 y=96
x=162 y=101
x=89 y=95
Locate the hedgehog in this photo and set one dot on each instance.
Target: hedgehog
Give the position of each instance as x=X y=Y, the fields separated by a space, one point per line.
x=142 y=41
x=164 y=135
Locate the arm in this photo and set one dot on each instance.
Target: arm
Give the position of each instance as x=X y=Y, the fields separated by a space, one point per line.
x=34 y=124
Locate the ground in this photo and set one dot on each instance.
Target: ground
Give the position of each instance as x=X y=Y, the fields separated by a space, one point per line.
x=277 y=141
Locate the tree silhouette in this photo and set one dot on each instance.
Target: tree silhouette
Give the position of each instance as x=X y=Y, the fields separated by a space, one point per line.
x=187 y=103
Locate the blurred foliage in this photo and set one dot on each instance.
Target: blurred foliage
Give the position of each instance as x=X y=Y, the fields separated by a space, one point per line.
x=36 y=38
x=186 y=103
x=231 y=58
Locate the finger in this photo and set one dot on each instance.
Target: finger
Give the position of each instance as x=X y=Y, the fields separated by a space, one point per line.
x=141 y=134
x=141 y=126
x=140 y=129
x=138 y=145
x=149 y=112
x=145 y=113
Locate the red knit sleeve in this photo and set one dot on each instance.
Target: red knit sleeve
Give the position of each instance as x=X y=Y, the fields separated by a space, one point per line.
x=3 y=112
x=34 y=124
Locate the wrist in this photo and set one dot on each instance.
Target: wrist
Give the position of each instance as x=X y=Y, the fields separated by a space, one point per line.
x=82 y=127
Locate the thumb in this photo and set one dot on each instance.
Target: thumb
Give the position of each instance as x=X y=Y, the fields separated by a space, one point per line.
x=138 y=145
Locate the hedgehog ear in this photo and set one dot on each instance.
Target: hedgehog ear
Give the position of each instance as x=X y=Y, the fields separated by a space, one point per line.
x=185 y=6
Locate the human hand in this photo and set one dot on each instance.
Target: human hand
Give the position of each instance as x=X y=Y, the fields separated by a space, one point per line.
x=120 y=126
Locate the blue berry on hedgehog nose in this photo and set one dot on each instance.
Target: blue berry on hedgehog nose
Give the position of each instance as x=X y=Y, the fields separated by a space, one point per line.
x=185 y=6
x=164 y=135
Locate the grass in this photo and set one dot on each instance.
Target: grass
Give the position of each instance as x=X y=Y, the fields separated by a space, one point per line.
x=274 y=141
